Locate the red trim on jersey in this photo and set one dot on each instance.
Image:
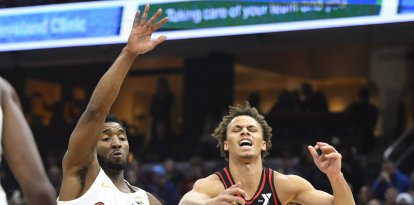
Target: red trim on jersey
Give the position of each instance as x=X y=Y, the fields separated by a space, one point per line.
x=222 y=179
x=228 y=176
x=271 y=182
x=258 y=192
x=231 y=181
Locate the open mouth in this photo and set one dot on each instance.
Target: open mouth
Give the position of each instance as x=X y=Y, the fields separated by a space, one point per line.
x=245 y=143
x=117 y=153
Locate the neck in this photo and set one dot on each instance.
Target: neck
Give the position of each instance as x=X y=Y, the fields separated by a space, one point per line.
x=117 y=177
x=248 y=173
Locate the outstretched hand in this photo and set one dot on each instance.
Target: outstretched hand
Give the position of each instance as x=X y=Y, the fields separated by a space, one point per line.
x=329 y=162
x=139 y=41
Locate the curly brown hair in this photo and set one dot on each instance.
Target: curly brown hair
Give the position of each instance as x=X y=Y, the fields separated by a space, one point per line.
x=220 y=133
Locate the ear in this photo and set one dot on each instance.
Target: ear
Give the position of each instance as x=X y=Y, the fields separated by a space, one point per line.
x=263 y=145
x=225 y=146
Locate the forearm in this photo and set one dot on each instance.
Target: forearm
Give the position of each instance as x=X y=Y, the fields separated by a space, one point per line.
x=23 y=157
x=43 y=194
x=29 y=174
x=81 y=144
x=109 y=85
x=341 y=191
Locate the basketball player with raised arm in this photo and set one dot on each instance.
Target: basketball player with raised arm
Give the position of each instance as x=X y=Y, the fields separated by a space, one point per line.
x=93 y=166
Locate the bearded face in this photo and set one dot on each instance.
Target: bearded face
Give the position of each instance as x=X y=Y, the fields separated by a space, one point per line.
x=112 y=148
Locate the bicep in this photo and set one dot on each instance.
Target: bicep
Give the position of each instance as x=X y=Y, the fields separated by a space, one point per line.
x=83 y=141
x=315 y=197
x=307 y=194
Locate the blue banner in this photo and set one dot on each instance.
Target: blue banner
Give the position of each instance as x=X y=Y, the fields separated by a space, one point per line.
x=42 y=26
x=406 y=6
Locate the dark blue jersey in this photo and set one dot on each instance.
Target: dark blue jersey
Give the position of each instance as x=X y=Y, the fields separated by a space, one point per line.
x=265 y=193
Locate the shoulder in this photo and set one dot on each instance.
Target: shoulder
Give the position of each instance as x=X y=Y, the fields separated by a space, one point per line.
x=211 y=180
x=210 y=186
x=204 y=188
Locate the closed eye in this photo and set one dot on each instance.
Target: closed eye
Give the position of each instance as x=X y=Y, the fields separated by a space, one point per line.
x=252 y=129
x=105 y=139
x=236 y=130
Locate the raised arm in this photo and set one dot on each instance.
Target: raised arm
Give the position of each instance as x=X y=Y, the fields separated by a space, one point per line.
x=329 y=162
x=210 y=191
x=20 y=151
x=84 y=138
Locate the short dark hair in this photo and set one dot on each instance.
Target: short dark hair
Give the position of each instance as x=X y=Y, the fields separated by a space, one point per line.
x=113 y=118
x=220 y=133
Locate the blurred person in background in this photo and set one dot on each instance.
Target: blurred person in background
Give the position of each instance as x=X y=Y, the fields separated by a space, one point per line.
x=390 y=176
x=375 y=201
x=390 y=196
x=364 y=195
x=364 y=117
x=162 y=187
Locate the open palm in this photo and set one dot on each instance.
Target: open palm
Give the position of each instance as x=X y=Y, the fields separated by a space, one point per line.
x=139 y=41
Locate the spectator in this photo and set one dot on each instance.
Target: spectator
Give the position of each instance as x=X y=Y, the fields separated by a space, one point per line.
x=390 y=196
x=364 y=195
x=173 y=174
x=196 y=172
x=161 y=107
x=374 y=202
x=163 y=188
x=390 y=176
x=312 y=101
x=364 y=115
x=287 y=102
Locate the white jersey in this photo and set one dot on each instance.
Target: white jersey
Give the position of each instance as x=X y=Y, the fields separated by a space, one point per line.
x=3 y=199
x=104 y=192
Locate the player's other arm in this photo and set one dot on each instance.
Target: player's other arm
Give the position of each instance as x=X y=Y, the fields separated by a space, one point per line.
x=21 y=153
